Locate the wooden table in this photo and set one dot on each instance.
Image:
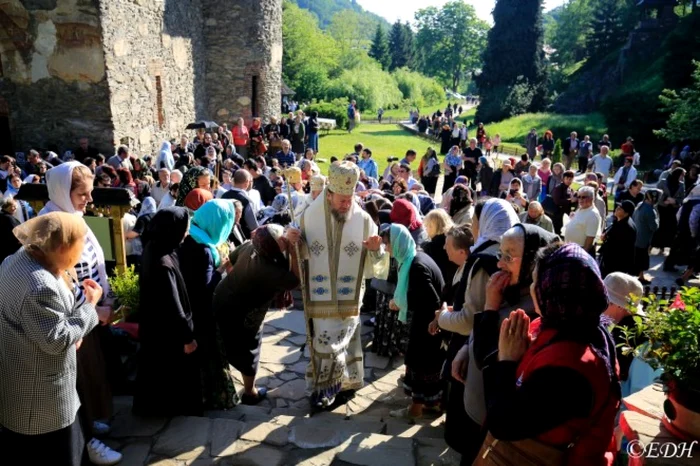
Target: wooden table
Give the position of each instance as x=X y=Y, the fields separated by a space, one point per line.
x=642 y=423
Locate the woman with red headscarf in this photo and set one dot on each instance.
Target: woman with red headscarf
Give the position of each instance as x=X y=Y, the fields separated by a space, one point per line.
x=197 y=197
x=404 y=213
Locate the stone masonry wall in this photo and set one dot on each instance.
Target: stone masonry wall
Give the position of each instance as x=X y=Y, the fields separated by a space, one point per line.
x=52 y=76
x=244 y=40
x=155 y=63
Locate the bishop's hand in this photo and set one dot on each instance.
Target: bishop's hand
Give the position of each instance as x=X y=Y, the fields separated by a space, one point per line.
x=373 y=243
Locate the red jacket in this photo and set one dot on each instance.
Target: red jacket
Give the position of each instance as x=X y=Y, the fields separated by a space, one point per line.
x=593 y=437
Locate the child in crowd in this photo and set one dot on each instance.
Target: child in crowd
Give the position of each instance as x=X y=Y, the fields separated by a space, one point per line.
x=496 y=142
x=488 y=145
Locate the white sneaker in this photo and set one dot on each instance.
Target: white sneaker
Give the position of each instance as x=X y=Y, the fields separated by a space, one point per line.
x=101 y=454
x=100 y=428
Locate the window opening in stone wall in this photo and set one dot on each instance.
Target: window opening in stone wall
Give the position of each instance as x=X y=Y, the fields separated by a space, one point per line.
x=254 y=97
x=159 y=103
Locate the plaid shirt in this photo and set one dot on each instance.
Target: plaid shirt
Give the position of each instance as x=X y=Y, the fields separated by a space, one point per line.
x=41 y=320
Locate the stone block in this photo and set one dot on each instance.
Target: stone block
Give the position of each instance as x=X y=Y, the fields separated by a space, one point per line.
x=287 y=376
x=375 y=361
x=224 y=433
x=281 y=354
x=377 y=450
x=293 y=390
x=297 y=339
x=435 y=452
x=280 y=403
x=260 y=455
x=121 y=47
x=135 y=453
x=287 y=320
x=126 y=424
x=186 y=438
x=266 y=432
x=317 y=436
x=299 y=368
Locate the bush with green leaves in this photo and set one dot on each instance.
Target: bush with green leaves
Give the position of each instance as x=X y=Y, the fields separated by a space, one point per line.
x=556 y=153
x=369 y=85
x=418 y=90
x=336 y=109
x=672 y=328
x=125 y=286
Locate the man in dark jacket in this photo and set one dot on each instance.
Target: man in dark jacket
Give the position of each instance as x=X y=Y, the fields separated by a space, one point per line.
x=563 y=197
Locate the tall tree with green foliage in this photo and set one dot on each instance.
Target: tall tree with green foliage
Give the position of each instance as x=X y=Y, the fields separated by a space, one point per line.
x=380 y=48
x=457 y=40
x=683 y=108
x=401 y=45
x=568 y=36
x=607 y=29
x=309 y=54
x=513 y=80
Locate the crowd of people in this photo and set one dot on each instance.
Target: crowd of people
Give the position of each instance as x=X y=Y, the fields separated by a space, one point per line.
x=474 y=290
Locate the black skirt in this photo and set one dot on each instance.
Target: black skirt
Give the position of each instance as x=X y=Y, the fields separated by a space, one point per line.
x=243 y=339
x=641 y=259
x=63 y=447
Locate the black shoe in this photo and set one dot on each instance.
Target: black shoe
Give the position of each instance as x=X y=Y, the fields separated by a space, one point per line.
x=252 y=400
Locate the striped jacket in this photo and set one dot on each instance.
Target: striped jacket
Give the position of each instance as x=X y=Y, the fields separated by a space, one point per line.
x=41 y=320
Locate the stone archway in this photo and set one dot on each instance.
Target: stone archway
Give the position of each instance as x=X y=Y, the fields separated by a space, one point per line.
x=6 y=147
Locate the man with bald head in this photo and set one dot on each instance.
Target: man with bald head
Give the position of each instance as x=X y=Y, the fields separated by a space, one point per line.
x=535 y=215
x=242 y=180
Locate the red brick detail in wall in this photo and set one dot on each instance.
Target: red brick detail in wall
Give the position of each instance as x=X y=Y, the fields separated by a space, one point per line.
x=159 y=103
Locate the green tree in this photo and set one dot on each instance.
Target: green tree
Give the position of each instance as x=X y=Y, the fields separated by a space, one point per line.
x=683 y=108
x=568 y=36
x=607 y=28
x=380 y=48
x=513 y=79
x=401 y=45
x=457 y=40
x=309 y=54
x=556 y=154
x=347 y=28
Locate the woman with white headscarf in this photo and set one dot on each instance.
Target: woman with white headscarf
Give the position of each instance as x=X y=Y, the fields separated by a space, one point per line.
x=70 y=187
x=490 y=221
x=165 y=157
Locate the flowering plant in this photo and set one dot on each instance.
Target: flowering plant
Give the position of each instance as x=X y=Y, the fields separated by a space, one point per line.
x=672 y=328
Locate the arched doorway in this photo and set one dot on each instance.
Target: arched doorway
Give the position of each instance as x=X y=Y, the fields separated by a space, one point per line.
x=6 y=147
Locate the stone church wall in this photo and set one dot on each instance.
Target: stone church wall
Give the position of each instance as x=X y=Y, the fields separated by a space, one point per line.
x=52 y=78
x=155 y=63
x=244 y=45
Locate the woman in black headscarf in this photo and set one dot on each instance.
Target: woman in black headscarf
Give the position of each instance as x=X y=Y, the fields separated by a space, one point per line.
x=196 y=177
x=258 y=272
x=673 y=193
x=554 y=383
x=165 y=329
x=506 y=290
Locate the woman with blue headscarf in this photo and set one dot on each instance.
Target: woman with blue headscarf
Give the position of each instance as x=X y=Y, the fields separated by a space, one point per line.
x=201 y=265
x=416 y=298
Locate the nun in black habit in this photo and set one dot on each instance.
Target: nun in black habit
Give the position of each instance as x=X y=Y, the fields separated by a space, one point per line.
x=166 y=331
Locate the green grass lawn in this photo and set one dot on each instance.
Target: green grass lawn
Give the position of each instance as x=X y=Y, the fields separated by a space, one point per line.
x=385 y=140
x=514 y=130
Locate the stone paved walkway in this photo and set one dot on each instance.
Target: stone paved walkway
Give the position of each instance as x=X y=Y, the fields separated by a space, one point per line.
x=279 y=431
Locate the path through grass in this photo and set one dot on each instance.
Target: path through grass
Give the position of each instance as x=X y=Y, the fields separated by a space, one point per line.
x=385 y=140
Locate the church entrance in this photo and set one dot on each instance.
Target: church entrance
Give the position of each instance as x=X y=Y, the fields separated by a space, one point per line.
x=5 y=134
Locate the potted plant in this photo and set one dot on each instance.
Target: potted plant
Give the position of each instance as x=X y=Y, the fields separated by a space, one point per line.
x=671 y=329
x=125 y=286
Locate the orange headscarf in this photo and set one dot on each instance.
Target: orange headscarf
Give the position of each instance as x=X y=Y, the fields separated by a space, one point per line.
x=197 y=197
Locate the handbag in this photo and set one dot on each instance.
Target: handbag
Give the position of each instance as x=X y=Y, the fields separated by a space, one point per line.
x=550 y=208
x=383 y=286
x=528 y=452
